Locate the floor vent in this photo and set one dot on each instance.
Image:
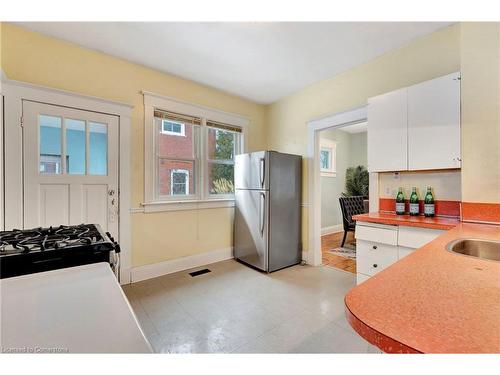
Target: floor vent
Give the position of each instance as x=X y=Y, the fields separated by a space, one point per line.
x=200 y=272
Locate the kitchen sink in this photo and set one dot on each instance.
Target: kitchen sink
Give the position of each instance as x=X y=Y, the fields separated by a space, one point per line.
x=483 y=249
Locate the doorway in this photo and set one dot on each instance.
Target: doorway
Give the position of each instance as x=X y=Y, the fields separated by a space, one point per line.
x=70 y=167
x=336 y=121
x=343 y=181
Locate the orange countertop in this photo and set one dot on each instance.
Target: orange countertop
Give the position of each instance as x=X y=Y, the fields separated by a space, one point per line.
x=436 y=222
x=432 y=301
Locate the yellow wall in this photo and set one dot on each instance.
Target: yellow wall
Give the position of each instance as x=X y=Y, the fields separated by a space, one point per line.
x=32 y=57
x=426 y=58
x=480 y=47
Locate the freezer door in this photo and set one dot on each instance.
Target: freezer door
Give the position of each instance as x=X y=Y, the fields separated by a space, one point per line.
x=251 y=171
x=251 y=227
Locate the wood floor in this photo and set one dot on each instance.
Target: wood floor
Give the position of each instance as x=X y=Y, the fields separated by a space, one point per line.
x=332 y=241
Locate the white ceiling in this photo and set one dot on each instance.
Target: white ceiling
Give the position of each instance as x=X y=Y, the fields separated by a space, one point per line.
x=262 y=62
x=356 y=128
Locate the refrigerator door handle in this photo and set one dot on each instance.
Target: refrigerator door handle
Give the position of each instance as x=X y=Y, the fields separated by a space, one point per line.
x=262 y=212
x=262 y=171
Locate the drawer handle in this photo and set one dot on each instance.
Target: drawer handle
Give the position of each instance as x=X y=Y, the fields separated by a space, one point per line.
x=374 y=247
x=375 y=265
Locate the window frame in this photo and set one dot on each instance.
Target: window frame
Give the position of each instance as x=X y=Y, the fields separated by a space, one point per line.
x=202 y=198
x=331 y=147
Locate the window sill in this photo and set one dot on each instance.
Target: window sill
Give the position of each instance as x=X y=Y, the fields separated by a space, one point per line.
x=328 y=174
x=163 y=206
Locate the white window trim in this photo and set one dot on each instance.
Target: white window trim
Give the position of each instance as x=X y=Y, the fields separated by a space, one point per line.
x=181 y=134
x=183 y=171
x=203 y=198
x=331 y=146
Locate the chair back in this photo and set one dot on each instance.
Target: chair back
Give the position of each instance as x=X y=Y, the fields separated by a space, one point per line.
x=351 y=206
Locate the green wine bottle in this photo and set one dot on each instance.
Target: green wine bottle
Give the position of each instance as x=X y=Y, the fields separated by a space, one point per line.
x=414 y=209
x=429 y=203
x=400 y=202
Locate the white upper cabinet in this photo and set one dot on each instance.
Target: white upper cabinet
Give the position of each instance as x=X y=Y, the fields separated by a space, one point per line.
x=387 y=132
x=434 y=124
x=416 y=128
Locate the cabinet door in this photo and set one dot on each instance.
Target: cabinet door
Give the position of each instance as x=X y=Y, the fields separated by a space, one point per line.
x=434 y=124
x=387 y=132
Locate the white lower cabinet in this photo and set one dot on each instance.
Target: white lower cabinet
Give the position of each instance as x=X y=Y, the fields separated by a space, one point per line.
x=404 y=251
x=378 y=245
x=360 y=278
x=373 y=257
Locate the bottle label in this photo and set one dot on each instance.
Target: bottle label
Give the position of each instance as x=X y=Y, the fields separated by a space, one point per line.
x=429 y=209
x=413 y=208
x=400 y=207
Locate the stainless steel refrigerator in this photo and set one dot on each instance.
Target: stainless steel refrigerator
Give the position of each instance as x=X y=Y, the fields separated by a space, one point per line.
x=267 y=222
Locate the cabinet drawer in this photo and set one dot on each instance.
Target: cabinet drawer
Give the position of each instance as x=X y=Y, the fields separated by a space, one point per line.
x=385 y=234
x=416 y=237
x=361 y=278
x=373 y=257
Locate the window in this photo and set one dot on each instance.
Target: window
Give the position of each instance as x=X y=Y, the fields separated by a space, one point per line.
x=177 y=154
x=179 y=182
x=222 y=145
x=197 y=167
x=327 y=158
x=173 y=128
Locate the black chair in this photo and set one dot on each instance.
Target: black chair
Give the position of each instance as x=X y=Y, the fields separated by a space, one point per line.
x=350 y=206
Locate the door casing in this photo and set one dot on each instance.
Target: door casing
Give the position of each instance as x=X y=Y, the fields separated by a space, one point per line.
x=14 y=93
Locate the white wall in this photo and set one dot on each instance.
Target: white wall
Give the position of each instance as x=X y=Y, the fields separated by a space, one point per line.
x=446 y=184
x=358 y=149
x=351 y=152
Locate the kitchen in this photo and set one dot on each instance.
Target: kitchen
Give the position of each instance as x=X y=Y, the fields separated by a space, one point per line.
x=166 y=208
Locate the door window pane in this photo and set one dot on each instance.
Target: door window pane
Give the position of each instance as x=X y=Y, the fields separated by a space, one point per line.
x=98 y=148
x=50 y=144
x=75 y=146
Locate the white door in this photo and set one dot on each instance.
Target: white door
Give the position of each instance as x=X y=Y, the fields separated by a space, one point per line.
x=70 y=167
x=434 y=124
x=387 y=132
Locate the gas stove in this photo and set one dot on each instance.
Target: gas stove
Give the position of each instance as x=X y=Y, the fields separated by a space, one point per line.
x=44 y=249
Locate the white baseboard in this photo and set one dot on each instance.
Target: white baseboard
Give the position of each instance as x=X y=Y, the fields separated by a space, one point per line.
x=125 y=276
x=332 y=229
x=180 y=264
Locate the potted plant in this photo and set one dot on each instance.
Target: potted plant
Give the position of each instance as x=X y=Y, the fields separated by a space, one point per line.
x=356 y=183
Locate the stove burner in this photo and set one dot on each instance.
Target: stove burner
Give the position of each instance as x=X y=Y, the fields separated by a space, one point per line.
x=41 y=239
